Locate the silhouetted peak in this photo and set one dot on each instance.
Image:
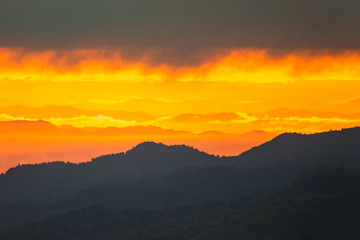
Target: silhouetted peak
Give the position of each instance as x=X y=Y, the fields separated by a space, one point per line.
x=288 y=146
x=147 y=146
x=288 y=136
x=153 y=148
x=347 y=132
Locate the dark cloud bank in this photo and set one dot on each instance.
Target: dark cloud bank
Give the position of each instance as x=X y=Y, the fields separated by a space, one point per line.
x=180 y=24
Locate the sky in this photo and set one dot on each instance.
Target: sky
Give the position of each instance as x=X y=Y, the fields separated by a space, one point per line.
x=84 y=78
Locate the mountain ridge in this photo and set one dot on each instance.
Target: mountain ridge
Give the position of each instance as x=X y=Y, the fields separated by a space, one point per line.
x=168 y=175
x=289 y=146
x=266 y=150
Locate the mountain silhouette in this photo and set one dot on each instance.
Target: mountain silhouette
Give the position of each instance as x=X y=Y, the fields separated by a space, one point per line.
x=154 y=175
x=59 y=179
x=290 y=150
x=295 y=146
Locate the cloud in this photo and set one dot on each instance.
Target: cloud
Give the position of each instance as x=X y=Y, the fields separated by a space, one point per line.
x=97 y=121
x=182 y=25
x=65 y=112
x=252 y=65
x=222 y=117
x=6 y=117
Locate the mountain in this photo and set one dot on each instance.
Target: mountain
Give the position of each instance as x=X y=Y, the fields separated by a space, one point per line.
x=44 y=128
x=328 y=209
x=27 y=142
x=24 y=127
x=154 y=175
x=174 y=189
x=342 y=146
x=183 y=186
x=46 y=181
x=287 y=151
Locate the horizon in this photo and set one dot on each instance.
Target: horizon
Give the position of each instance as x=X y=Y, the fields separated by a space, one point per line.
x=129 y=148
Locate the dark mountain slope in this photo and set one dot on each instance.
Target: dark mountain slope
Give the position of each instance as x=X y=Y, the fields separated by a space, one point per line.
x=294 y=146
x=298 y=211
x=184 y=186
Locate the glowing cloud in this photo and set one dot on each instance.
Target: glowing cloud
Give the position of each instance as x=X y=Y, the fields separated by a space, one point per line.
x=88 y=98
x=251 y=65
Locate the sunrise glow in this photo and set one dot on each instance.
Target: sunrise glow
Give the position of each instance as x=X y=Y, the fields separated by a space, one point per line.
x=228 y=102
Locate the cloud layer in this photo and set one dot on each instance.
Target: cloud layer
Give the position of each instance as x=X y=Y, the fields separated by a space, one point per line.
x=183 y=25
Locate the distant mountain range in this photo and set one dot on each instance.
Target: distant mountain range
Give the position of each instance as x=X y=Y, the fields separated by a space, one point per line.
x=52 y=111
x=154 y=175
x=27 y=142
x=41 y=127
x=149 y=159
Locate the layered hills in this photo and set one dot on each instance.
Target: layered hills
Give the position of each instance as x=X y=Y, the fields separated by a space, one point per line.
x=156 y=176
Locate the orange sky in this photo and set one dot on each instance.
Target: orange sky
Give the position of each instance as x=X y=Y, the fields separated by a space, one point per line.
x=215 y=104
